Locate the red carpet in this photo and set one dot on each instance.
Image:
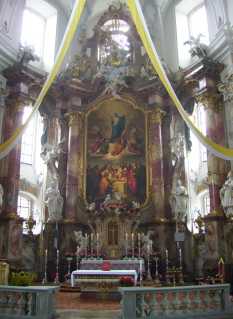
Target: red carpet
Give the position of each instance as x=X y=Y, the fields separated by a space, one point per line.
x=72 y=301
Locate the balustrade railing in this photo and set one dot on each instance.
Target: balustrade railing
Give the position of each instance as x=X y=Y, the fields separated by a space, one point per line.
x=175 y=302
x=28 y=302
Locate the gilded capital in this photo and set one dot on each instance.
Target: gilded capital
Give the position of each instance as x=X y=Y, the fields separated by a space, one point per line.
x=156 y=115
x=210 y=101
x=16 y=105
x=73 y=117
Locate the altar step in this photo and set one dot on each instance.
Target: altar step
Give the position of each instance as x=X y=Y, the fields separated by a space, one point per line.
x=66 y=287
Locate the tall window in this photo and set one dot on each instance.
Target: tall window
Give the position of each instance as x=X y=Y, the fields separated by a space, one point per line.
x=33 y=31
x=27 y=139
x=24 y=206
x=198 y=24
x=202 y=126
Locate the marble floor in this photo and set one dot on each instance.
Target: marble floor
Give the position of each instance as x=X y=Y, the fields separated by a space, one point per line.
x=88 y=314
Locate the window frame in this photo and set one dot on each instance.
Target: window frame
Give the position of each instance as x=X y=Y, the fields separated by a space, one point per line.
x=190 y=23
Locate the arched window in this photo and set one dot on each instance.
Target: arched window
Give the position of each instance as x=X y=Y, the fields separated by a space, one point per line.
x=198 y=24
x=33 y=29
x=39 y=29
x=28 y=139
x=115 y=31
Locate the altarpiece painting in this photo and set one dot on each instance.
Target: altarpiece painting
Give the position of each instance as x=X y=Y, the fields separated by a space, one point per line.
x=115 y=152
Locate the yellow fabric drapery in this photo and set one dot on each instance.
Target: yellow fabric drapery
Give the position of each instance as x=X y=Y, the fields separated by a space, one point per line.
x=71 y=27
x=140 y=23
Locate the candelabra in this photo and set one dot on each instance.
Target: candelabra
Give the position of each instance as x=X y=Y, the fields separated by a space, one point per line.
x=148 y=278
x=56 y=281
x=69 y=260
x=180 y=265
x=167 y=282
x=45 y=280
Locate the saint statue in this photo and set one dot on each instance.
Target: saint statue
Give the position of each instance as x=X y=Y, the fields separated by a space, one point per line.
x=178 y=201
x=54 y=202
x=226 y=195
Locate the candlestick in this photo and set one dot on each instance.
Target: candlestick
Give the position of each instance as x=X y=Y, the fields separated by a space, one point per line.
x=45 y=281
x=56 y=281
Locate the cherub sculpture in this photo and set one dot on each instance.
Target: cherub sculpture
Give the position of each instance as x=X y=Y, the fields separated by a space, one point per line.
x=136 y=204
x=55 y=150
x=117 y=196
x=107 y=199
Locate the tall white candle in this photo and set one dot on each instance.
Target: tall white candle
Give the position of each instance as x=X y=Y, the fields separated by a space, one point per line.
x=46 y=253
x=180 y=252
x=91 y=237
x=126 y=237
x=97 y=237
x=166 y=253
x=140 y=264
x=148 y=248
x=57 y=253
x=139 y=237
x=77 y=248
x=132 y=237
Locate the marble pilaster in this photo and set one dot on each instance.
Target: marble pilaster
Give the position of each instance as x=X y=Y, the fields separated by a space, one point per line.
x=72 y=165
x=211 y=103
x=156 y=159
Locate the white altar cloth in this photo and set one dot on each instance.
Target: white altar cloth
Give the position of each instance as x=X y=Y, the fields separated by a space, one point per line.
x=114 y=264
x=110 y=273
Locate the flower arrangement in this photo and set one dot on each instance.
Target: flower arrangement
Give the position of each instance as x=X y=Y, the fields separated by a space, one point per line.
x=70 y=255
x=94 y=254
x=157 y=276
x=156 y=255
x=67 y=276
x=134 y=253
x=22 y=278
x=126 y=281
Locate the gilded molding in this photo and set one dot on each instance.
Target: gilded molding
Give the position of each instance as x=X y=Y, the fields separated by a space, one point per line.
x=226 y=88
x=71 y=184
x=73 y=117
x=210 y=101
x=12 y=176
x=156 y=115
x=3 y=95
x=16 y=105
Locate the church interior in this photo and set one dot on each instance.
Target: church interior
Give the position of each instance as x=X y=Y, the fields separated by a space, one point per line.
x=116 y=140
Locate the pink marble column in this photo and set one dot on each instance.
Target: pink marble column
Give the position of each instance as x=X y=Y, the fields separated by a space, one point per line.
x=211 y=104
x=13 y=173
x=221 y=140
x=72 y=166
x=156 y=159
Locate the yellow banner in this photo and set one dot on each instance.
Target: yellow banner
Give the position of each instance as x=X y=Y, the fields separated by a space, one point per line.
x=140 y=23
x=71 y=27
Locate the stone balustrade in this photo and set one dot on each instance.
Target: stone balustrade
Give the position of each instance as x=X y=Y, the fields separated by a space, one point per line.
x=28 y=302
x=175 y=302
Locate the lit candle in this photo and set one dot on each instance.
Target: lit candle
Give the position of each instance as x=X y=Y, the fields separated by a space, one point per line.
x=148 y=248
x=132 y=238
x=46 y=253
x=166 y=253
x=77 y=248
x=139 y=237
x=85 y=235
x=97 y=237
x=91 y=237
x=57 y=253
x=180 y=252
x=140 y=264
x=126 y=237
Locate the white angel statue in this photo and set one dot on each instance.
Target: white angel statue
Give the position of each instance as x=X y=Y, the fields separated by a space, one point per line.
x=136 y=204
x=117 y=196
x=55 y=150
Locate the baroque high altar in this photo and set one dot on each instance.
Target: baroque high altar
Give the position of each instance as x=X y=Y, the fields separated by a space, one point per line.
x=111 y=127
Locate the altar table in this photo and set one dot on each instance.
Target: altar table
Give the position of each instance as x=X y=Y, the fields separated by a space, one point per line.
x=99 y=284
x=114 y=264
